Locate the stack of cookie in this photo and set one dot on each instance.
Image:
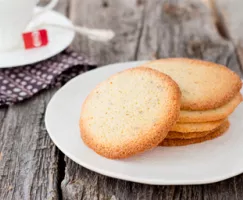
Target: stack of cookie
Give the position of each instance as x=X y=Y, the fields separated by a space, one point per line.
x=210 y=93
x=168 y=102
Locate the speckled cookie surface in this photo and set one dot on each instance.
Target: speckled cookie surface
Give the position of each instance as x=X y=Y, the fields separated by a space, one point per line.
x=129 y=113
x=210 y=115
x=196 y=127
x=204 y=85
x=182 y=142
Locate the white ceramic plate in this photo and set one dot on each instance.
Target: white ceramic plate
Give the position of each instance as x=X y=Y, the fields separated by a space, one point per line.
x=207 y=162
x=59 y=39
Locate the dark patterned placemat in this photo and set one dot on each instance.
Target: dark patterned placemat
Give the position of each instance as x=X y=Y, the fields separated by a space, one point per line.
x=20 y=83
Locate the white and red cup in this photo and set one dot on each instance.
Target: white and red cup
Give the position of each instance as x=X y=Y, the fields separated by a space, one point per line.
x=15 y=15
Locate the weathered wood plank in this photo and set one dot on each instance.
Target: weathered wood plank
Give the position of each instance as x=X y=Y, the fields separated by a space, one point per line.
x=147 y=29
x=29 y=160
x=184 y=29
x=231 y=17
x=28 y=167
x=124 y=17
x=229 y=13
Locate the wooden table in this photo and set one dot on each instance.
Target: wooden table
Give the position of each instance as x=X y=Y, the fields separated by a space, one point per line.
x=31 y=167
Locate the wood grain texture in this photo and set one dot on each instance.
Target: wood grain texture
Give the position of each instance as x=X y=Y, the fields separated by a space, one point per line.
x=29 y=160
x=124 y=17
x=30 y=164
x=184 y=29
x=148 y=30
x=231 y=18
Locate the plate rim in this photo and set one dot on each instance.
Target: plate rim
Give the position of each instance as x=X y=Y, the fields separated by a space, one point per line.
x=120 y=175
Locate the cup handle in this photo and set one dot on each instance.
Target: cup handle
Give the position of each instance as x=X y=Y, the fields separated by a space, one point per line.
x=49 y=6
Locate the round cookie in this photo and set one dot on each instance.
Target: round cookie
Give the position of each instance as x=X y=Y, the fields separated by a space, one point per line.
x=129 y=113
x=210 y=115
x=188 y=135
x=204 y=85
x=182 y=142
x=196 y=127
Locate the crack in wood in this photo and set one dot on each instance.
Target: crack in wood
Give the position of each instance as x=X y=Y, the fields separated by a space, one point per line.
x=61 y=172
x=140 y=2
x=178 y=12
x=227 y=62
x=219 y=20
x=67 y=10
x=223 y=31
x=140 y=31
x=3 y=115
x=239 y=56
x=105 y=4
x=235 y=189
